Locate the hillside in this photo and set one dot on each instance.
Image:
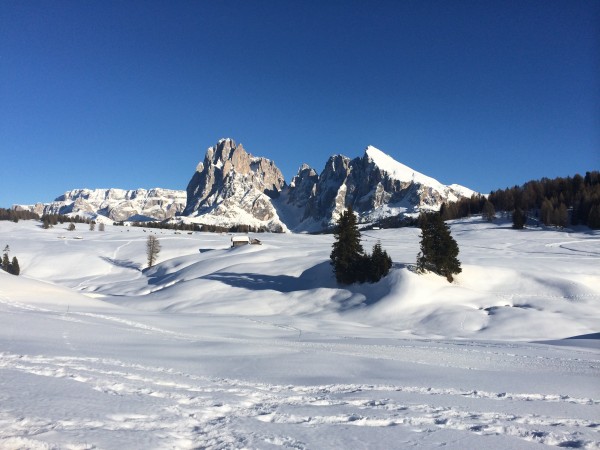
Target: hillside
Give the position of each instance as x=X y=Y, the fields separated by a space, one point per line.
x=257 y=346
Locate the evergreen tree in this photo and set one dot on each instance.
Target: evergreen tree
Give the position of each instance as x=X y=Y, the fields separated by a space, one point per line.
x=562 y=216
x=152 y=249
x=518 y=219
x=71 y=227
x=92 y=226
x=439 y=250
x=5 y=262
x=347 y=250
x=489 y=212
x=380 y=263
x=594 y=217
x=101 y=226
x=546 y=212
x=350 y=263
x=14 y=266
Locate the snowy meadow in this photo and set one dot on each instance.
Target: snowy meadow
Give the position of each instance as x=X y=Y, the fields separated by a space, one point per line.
x=258 y=347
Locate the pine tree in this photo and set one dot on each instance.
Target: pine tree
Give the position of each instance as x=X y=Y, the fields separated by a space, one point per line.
x=92 y=226
x=5 y=262
x=71 y=227
x=380 y=263
x=593 y=220
x=489 y=212
x=519 y=219
x=562 y=216
x=14 y=266
x=101 y=226
x=152 y=249
x=439 y=250
x=347 y=250
x=546 y=212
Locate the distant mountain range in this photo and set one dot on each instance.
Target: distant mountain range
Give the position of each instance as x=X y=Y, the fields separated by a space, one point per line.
x=114 y=204
x=231 y=187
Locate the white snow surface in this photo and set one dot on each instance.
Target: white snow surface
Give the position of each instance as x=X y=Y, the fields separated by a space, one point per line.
x=401 y=172
x=258 y=347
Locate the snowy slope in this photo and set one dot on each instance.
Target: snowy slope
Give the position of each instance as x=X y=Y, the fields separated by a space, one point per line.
x=400 y=172
x=257 y=347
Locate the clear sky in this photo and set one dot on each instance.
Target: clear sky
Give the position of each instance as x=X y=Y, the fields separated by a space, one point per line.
x=130 y=94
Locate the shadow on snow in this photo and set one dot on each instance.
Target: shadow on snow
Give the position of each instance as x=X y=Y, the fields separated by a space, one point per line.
x=318 y=276
x=124 y=263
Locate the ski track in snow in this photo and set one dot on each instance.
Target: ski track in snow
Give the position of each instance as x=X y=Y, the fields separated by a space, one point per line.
x=430 y=392
x=202 y=412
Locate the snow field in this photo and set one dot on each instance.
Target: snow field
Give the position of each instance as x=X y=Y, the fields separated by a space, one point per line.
x=257 y=347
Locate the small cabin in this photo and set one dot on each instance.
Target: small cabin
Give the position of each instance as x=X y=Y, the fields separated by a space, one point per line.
x=238 y=241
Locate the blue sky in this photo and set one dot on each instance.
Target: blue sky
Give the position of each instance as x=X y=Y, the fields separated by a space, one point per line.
x=102 y=94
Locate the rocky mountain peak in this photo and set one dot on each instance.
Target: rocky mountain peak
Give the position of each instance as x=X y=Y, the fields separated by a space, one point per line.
x=231 y=187
x=374 y=185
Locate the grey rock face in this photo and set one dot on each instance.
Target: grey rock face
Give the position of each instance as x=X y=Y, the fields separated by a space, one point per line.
x=231 y=187
x=303 y=186
x=372 y=192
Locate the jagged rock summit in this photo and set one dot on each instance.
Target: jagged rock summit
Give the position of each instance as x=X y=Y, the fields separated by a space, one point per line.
x=232 y=187
x=374 y=185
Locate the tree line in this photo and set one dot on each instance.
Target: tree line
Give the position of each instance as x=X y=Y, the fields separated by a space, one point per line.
x=51 y=220
x=15 y=215
x=197 y=227
x=559 y=202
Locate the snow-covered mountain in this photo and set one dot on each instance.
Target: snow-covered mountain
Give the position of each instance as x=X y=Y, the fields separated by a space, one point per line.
x=231 y=187
x=115 y=204
x=374 y=185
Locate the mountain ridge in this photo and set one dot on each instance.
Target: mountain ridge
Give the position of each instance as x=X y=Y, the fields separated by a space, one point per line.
x=114 y=204
x=232 y=187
